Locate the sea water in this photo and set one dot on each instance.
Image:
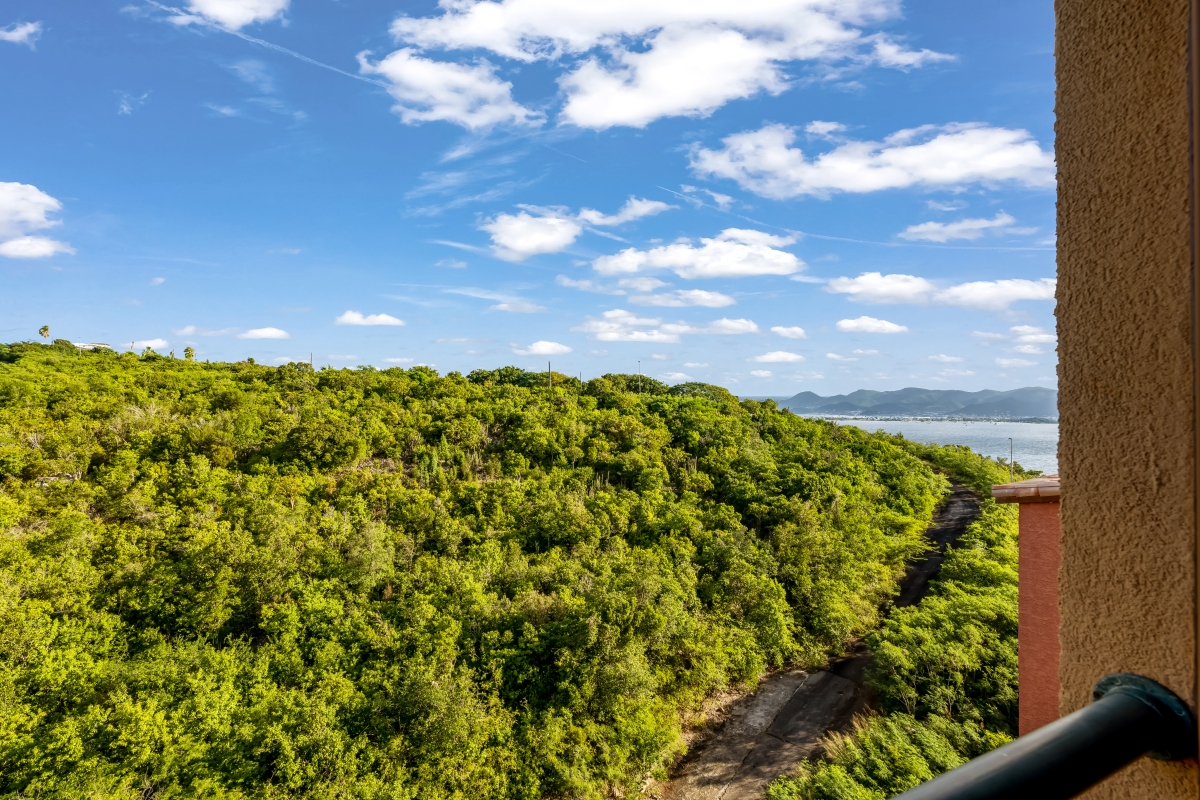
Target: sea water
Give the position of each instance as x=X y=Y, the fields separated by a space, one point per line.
x=1034 y=444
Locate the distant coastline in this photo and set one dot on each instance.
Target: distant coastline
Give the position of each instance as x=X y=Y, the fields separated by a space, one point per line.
x=925 y=418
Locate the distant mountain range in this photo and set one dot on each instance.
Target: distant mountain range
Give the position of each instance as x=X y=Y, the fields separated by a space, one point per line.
x=1031 y=401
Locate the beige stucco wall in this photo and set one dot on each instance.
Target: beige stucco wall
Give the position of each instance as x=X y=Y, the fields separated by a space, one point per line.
x=1126 y=455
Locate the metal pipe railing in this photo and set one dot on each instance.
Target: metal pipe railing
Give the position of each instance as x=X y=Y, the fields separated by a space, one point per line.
x=1130 y=716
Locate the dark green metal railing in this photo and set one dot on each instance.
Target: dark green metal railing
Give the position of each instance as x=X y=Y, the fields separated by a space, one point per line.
x=1130 y=717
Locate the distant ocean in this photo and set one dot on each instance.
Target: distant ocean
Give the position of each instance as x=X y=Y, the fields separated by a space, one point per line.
x=1035 y=445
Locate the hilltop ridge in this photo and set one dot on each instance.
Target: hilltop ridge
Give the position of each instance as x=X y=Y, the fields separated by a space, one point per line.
x=1029 y=401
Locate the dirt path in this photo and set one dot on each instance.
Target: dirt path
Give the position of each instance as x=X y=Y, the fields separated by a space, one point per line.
x=768 y=733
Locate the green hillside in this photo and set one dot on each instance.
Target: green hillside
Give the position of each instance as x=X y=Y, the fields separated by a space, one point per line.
x=229 y=580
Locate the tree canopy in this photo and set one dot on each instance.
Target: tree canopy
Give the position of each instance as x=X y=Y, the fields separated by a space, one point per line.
x=233 y=580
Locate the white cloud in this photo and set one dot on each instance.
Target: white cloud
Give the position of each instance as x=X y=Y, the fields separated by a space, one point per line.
x=695 y=364
x=957 y=372
x=869 y=325
x=733 y=253
x=630 y=62
x=157 y=281
x=231 y=14
x=33 y=247
x=1028 y=349
x=873 y=287
x=1031 y=334
x=542 y=348
x=398 y=360
x=598 y=353
x=942 y=358
x=723 y=327
x=996 y=295
x=468 y=95
x=764 y=161
x=21 y=33
x=644 y=284
x=635 y=208
x=676 y=376
x=587 y=286
x=1015 y=362
x=866 y=352
x=619 y=325
x=516 y=237
x=357 y=318
x=824 y=130
x=684 y=297
x=839 y=357
x=448 y=263
x=515 y=305
x=793 y=332
x=761 y=373
x=658 y=356
x=778 y=357
x=959 y=229
x=186 y=330
x=153 y=344
x=265 y=333
x=25 y=208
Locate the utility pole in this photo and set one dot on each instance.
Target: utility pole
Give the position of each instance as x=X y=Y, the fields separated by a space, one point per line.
x=1010 y=472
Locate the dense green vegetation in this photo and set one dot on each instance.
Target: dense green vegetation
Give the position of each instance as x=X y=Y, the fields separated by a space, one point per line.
x=229 y=580
x=945 y=670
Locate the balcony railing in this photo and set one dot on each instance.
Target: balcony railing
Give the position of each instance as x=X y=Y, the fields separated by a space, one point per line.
x=1129 y=717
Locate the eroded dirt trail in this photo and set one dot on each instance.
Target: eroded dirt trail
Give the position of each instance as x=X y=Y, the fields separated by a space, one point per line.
x=768 y=733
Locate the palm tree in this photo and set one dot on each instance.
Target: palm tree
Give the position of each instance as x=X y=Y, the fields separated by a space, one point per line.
x=44 y=331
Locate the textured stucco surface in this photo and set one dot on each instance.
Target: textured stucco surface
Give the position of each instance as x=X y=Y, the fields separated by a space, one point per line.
x=1037 y=655
x=1126 y=456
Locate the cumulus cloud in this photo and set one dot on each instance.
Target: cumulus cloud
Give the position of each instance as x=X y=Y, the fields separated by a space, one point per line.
x=33 y=247
x=265 y=333
x=869 y=325
x=942 y=358
x=1015 y=362
x=619 y=325
x=542 y=348
x=839 y=357
x=874 y=287
x=21 y=33
x=778 y=357
x=534 y=230
x=398 y=360
x=676 y=376
x=1032 y=334
x=25 y=208
x=684 y=297
x=470 y=95
x=734 y=253
x=696 y=364
x=231 y=14
x=153 y=344
x=357 y=318
x=764 y=161
x=792 y=332
x=959 y=229
x=587 y=286
x=996 y=295
x=635 y=208
x=761 y=373
x=723 y=326
x=630 y=62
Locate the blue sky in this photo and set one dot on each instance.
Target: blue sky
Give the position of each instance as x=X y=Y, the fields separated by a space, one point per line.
x=771 y=195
